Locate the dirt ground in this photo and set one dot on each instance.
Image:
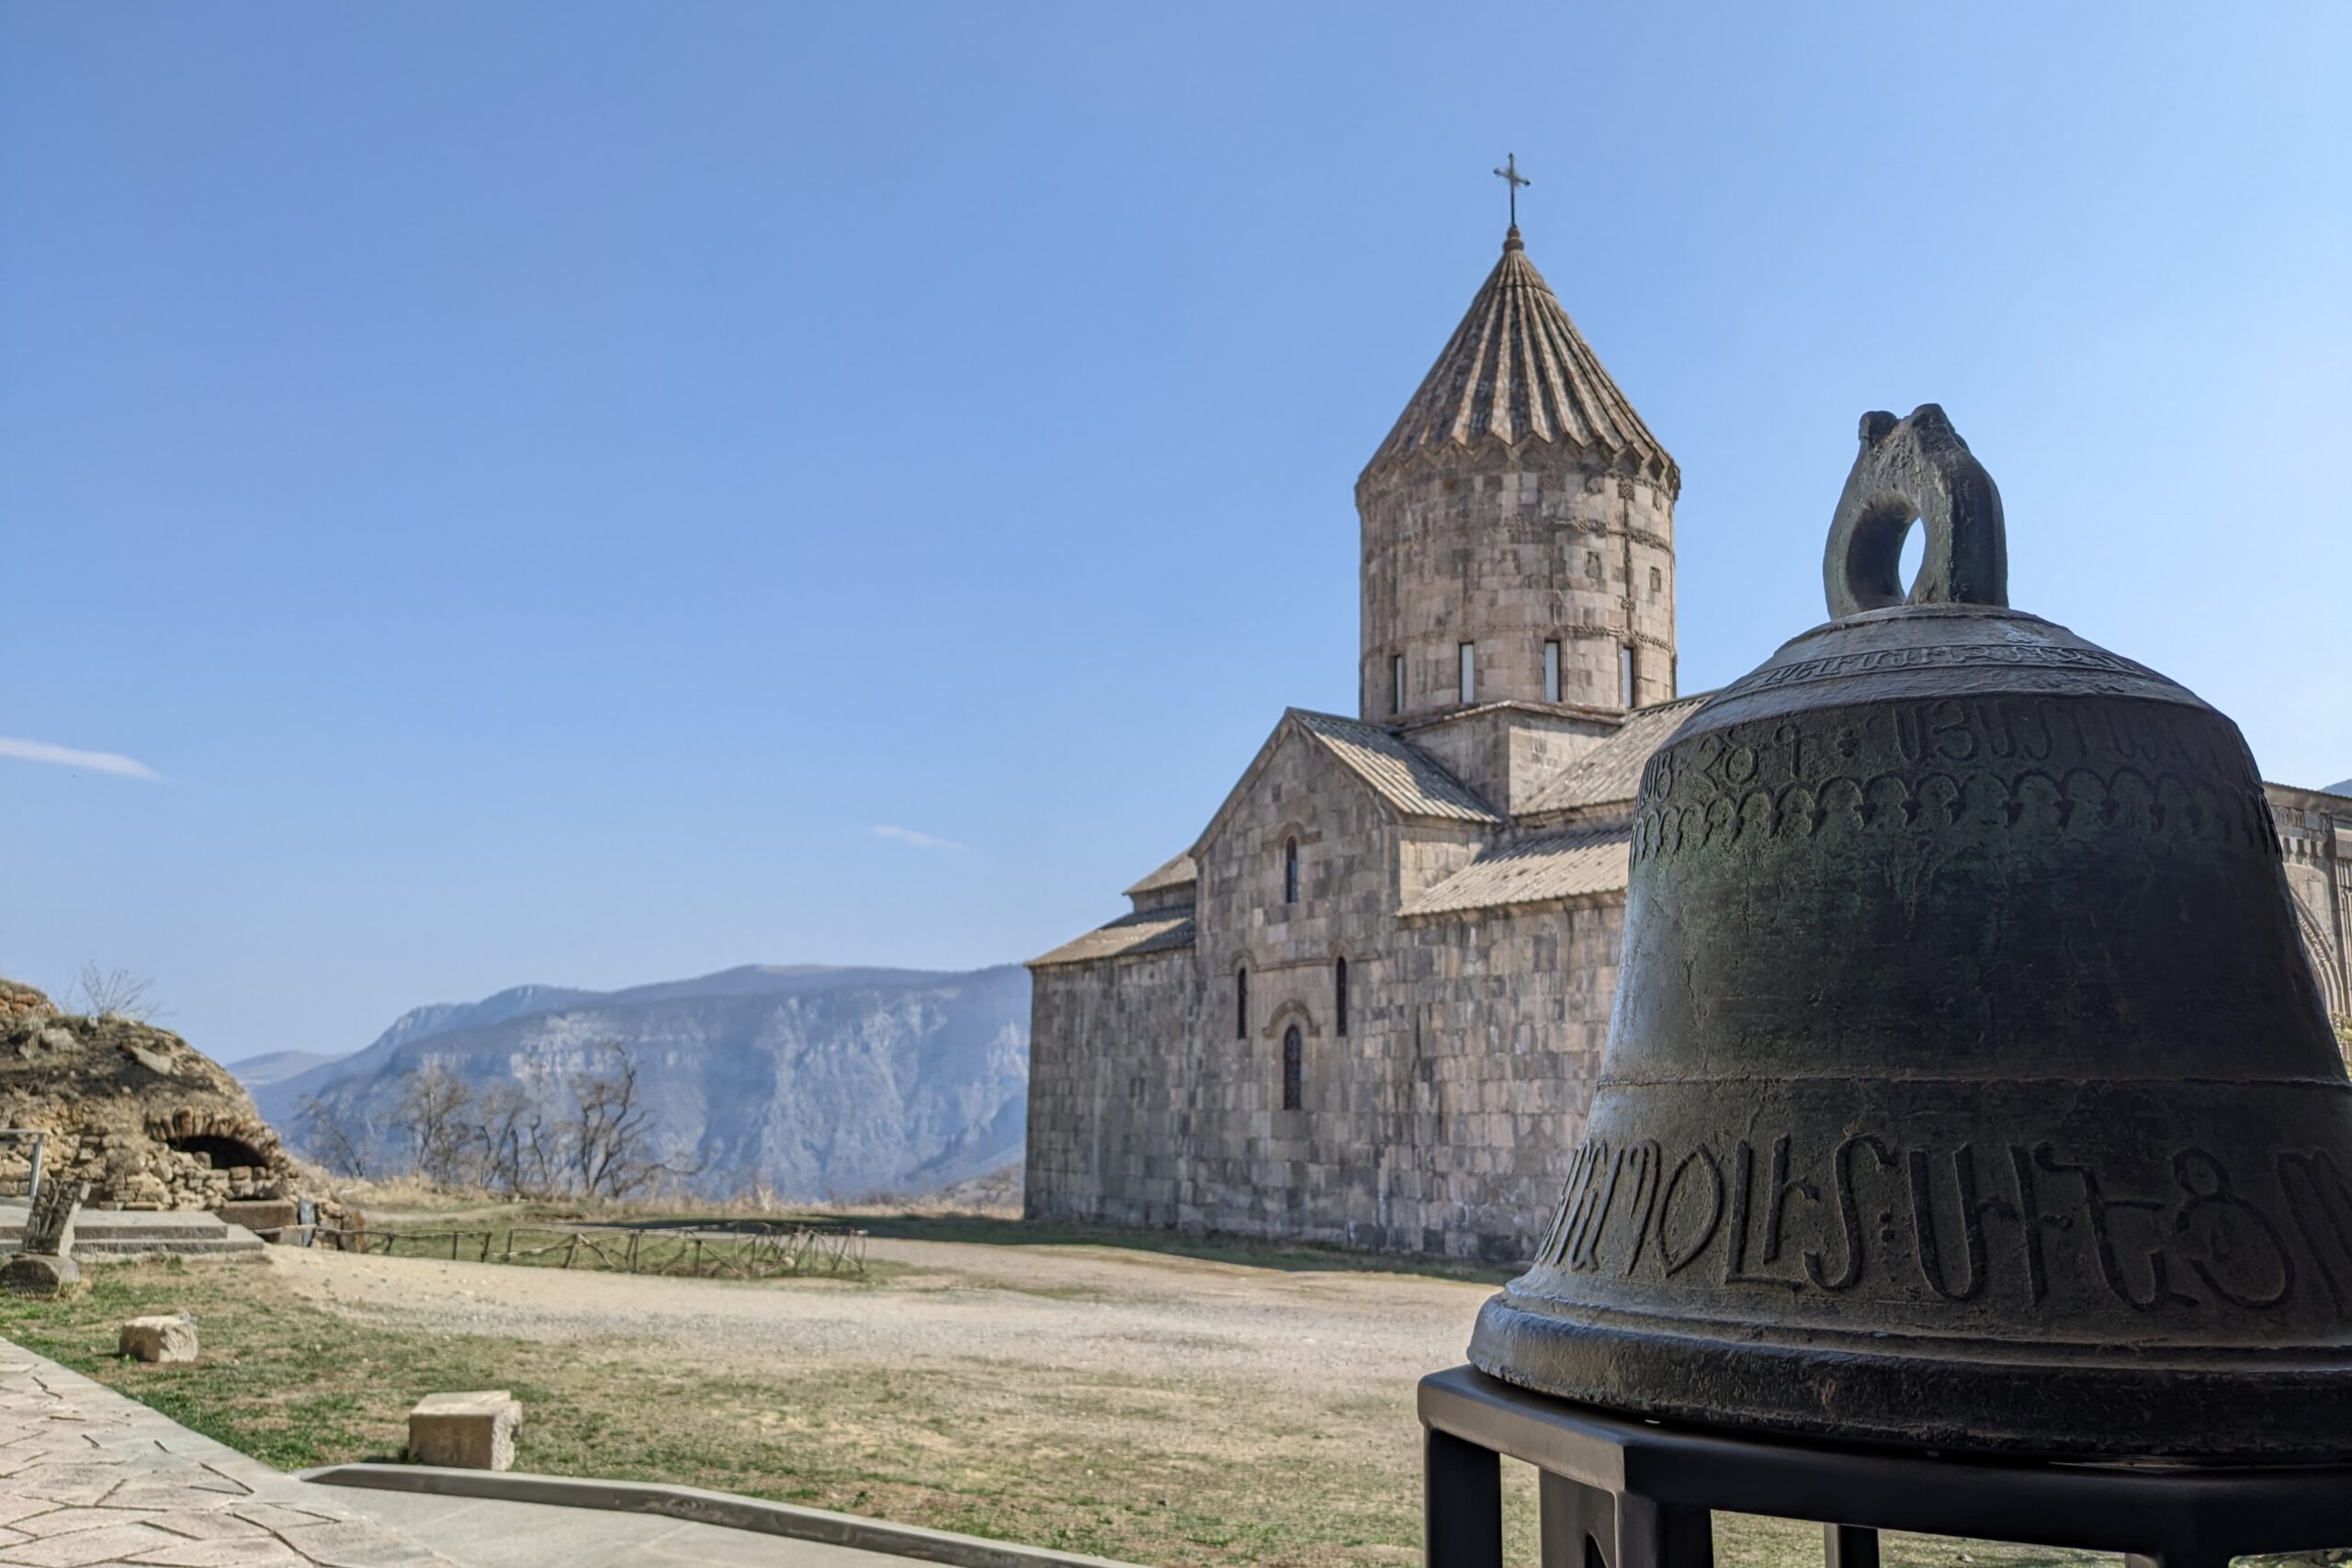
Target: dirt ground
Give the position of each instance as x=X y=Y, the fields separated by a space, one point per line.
x=1132 y=1375
x=1065 y=1309
x=1132 y=1403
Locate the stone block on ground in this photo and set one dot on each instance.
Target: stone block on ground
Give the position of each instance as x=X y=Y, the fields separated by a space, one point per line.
x=166 y=1341
x=465 y=1431
x=270 y=1218
x=33 y=1275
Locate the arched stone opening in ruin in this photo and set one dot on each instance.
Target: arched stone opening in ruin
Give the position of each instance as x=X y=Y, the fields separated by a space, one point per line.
x=224 y=1153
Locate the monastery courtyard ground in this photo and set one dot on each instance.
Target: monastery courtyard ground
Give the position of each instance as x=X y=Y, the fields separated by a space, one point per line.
x=1134 y=1404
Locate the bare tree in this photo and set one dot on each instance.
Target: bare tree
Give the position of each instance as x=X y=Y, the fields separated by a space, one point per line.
x=343 y=1148
x=517 y=1149
x=609 y=1131
x=435 y=1112
x=114 y=993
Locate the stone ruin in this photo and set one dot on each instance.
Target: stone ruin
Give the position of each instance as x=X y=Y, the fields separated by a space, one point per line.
x=145 y=1119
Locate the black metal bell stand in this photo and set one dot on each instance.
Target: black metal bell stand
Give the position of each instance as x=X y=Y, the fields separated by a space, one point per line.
x=1620 y=1492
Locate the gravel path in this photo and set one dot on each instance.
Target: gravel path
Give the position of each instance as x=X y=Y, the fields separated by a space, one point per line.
x=1076 y=1307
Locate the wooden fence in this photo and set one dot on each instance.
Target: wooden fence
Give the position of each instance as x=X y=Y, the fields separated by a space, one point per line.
x=755 y=1251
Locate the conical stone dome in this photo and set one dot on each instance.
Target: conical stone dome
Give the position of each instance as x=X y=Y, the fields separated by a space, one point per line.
x=1516 y=369
x=1518 y=529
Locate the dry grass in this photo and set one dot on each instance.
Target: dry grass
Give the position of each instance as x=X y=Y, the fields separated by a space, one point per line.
x=1169 y=1454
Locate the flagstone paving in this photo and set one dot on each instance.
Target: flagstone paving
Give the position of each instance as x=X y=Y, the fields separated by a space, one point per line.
x=89 y=1479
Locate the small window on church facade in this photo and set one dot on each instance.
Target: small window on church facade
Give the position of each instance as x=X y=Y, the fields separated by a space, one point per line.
x=1397 y=684
x=1592 y=565
x=1657 y=583
x=1625 y=673
x=1339 y=996
x=1241 y=1004
x=1290 y=870
x=1468 y=653
x=1551 y=671
x=1294 y=1068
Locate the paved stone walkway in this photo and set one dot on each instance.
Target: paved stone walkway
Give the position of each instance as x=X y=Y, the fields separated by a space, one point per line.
x=89 y=1479
x=482 y=1534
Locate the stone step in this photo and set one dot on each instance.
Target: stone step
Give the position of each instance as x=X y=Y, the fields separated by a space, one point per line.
x=86 y=1233
x=222 y=1246
x=133 y=1233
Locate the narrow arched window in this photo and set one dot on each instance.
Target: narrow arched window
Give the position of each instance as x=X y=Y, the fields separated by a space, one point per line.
x=1340 y=996
x=1241 y=1004
x=1290 y=870
x=1294 y=1067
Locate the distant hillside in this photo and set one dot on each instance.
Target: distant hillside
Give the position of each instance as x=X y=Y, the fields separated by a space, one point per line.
x=271 y=1066
x=820 y=1082
x=2341 y=786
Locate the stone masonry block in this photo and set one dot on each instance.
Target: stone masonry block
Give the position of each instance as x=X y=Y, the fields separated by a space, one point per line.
x=166 y=1341
x=465 y=1431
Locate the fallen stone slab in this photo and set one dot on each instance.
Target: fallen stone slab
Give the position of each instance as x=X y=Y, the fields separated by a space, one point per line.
x=270 y=1218
x=166 y=1341
x=465 y=1431
x=33 y=1275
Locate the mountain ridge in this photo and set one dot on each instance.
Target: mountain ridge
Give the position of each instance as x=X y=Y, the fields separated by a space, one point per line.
x=812 y=1080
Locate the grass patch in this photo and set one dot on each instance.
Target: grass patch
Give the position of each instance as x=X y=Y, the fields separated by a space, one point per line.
x=1157 y=1463
x=428 y=1211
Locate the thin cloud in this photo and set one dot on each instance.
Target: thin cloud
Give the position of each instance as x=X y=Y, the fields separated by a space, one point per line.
x=113 y=762
x=920 y=841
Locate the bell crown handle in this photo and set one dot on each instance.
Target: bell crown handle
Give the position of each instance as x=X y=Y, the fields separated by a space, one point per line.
x=1915 y=468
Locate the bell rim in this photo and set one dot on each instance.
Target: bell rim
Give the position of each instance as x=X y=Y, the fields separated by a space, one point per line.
x=2231 y=1405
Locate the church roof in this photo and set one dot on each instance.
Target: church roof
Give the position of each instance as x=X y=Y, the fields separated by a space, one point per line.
x=1612 y=770
x=1516 y=369
x=1180 y=872
x=1129 y=936
x=1408 y=778
x=1531 y=871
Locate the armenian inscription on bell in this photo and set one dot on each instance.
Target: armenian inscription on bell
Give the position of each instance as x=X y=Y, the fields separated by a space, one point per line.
x=1955 y=1223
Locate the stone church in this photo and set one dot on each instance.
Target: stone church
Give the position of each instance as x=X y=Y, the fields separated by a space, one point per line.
x=1368 y=1004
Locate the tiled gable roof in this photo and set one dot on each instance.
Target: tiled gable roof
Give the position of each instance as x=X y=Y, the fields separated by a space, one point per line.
x=1516 y=369
x=1612 y=770
x=1129 y=936
x=1408 y=778
x=1531 y=871
x=1179 y=872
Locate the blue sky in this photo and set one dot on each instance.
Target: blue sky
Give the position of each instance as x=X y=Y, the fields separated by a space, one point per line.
x=540 y=487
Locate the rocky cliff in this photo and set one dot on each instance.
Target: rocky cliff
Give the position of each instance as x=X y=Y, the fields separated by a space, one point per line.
x=815 y=1082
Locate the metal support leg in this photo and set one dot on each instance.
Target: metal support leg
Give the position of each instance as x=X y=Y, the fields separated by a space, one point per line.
x=1461 y=1503
x=1848 y=1546
x=1579 y=1523
x=1657 y=1535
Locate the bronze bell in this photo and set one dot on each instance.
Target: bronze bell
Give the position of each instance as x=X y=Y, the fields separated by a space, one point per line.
x=1967 y=1086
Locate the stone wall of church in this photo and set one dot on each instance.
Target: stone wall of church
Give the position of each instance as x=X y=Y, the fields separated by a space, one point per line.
x=1105 y=1129
x=1507 y=549
x=1507 y=753
x=2315 y=837
x=1441 y=1123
